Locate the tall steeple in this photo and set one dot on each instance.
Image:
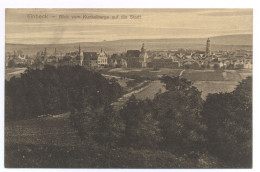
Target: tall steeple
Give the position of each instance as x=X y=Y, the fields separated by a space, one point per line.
x=142 y=49
x=208 y=48
x=81 y=56
x=144 y=56
x=45 y=55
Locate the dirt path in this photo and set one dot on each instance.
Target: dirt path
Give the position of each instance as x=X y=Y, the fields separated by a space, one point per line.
x=181 y=73
x=122 y=100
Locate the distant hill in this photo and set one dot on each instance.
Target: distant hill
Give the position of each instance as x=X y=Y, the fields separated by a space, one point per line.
x=227 y=42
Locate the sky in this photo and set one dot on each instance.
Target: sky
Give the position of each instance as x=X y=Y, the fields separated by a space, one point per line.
x=21 y=28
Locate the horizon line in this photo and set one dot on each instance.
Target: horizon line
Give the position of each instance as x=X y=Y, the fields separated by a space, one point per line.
x=126 y=39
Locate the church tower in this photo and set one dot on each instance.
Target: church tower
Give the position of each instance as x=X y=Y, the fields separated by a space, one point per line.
x=207 y=48
x=45 y=56
x=142 y=49
x=80 y=56
x=144 y=56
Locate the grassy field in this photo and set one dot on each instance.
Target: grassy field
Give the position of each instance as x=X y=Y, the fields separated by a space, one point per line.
x=10 y=72
x=245 y=73
x=207 y=87
x=50 y=142
x=203 y=75
x=96 y=156
x=146 y=73
x=207 y=81
x=57 y=131
x=149 y=92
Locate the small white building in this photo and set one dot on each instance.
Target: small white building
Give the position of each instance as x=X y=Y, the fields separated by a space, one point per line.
x=102 y=58
x=248 y=64
x=124 y=63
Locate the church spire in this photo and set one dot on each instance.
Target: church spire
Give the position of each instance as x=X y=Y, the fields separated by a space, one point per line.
x=208 y=48
x=142 y=49
x=45 y=55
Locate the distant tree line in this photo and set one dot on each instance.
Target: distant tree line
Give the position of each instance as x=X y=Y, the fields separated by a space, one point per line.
x=56 y=90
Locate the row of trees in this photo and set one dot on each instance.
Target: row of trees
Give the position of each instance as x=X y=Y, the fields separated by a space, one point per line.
x=56 y=90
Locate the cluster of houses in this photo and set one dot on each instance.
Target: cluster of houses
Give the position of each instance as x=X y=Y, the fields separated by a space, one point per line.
x=16 y=59
x=142 y=59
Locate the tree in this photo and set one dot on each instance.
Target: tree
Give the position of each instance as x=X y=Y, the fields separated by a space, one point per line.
x=108 y=129
x=141 y=129
x=216 y=66
x=178 y=110
x=11 y=63
x=80 y=121
x=229 y=120
x=37 y=63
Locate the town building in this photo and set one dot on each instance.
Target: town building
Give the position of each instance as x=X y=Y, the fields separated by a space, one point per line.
x=137 y=58
x=102 y=58
x=163 y=63
x=207 y=53
x=133 y=59
x=124 y=63
x=144 y=56
x=132 y=53
x=90 y=60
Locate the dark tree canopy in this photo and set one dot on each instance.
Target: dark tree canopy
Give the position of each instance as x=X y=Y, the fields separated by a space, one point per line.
x=178 y=110
x=55 y=90
x=141 y=129
x=108 y=127
x=229 y=120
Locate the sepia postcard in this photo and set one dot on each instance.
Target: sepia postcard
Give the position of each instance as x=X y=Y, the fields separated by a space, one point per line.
x=128 y=88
